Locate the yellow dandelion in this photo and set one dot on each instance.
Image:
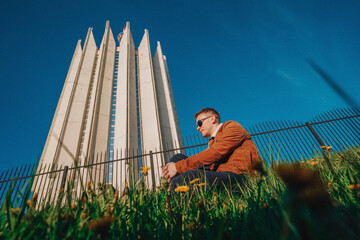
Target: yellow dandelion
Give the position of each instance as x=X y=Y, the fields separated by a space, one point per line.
x=354 y=186
x=28 y=202
x=302 y=162
x=224 y=204
x=200 y=184
x=183 y=189
x=329 y=184
x=116 y=195
x=90 y=183
x=323 y=147
x=72 y=206
x=61 y=190
x=157 y=187
x=34 y=196
x=329 y=148
x=241 y=207
x=195 y=180
x=126 y=185
x=84 y=214
x=265 y=205
x=144 y=169
x=313 y=163
x=308 y=161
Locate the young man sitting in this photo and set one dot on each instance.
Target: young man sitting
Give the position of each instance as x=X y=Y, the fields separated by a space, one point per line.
x=229 y=155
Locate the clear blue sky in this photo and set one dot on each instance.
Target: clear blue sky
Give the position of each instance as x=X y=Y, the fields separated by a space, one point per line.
x=248 y=59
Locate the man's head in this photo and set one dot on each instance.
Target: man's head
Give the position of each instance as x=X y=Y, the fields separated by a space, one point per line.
x=207 y=120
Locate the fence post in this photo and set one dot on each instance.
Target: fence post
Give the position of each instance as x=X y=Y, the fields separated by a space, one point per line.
x=317 y=137
x=63 y=181
x=152 y=169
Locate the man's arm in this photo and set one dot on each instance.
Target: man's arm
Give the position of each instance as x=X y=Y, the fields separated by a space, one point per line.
x=232 y=136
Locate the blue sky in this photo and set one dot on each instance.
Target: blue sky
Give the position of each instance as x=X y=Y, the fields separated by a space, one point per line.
x=248 y=59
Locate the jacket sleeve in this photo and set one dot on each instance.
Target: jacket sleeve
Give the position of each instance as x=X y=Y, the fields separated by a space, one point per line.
x=231 y=136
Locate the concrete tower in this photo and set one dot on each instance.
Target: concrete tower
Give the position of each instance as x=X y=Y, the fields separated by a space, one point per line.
x=117 y=102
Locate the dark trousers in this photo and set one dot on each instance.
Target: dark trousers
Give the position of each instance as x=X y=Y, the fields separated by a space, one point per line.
x=212 y=178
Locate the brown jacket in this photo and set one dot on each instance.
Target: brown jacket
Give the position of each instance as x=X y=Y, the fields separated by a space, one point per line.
x=231 y=150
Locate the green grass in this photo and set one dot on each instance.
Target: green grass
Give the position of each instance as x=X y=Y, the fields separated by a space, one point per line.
x=318 y=199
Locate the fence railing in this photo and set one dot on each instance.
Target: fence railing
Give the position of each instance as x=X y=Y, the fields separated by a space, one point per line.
x=278 y=140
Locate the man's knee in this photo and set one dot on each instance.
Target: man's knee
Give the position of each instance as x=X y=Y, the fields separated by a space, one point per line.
x=177 y=157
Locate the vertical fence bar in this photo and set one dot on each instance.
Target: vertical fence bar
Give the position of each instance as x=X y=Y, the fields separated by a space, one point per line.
x=317 y=137
x=152 y=167
x=63 y=180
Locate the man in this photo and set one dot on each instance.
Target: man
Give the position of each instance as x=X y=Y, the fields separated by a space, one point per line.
x=229 y=155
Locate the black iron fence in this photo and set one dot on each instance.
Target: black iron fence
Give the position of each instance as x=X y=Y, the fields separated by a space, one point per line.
x=279 y=140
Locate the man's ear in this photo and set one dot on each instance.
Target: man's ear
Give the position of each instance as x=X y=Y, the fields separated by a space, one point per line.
x=213 y=119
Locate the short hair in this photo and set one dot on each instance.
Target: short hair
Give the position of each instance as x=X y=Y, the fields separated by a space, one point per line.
x=208 y=110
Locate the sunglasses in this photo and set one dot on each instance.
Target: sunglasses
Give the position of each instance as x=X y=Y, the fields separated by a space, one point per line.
x=200 y=122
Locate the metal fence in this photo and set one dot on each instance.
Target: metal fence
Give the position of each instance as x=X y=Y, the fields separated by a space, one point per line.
x=279 y=140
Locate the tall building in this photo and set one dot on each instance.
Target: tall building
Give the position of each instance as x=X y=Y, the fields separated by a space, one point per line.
x=117 y=102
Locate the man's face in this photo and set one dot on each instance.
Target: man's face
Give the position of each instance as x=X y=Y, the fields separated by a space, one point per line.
x=207 y=126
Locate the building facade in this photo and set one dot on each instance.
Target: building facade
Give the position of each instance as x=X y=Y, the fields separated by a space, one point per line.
x=116 y=103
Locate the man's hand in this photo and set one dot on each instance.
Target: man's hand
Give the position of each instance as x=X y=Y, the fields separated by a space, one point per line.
x=169 y=171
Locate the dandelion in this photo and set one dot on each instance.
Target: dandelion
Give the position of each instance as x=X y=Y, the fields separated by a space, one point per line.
x=200 y=184
x=265 y=205
x=241 y=207
x=224 y=204
x=28 y=202
x=354 y=186
x=313 y=163
x=84 y=214
x=116 y=195
x=72 y=206
x=329 y=184
x=90 y=183
x=61 y=190
x=13 y=210
x=194 y=181
x=157 y=187
x=34 y=196
x=326 y=148
x=144 y=170
x=183 y=189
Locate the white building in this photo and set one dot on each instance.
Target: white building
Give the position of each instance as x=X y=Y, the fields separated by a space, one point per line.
x=117 y=102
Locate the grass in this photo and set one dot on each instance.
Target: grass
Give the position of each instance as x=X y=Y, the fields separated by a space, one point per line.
x=313 y=199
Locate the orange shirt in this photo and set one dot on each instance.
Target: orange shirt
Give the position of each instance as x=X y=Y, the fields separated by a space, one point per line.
x=231 y=150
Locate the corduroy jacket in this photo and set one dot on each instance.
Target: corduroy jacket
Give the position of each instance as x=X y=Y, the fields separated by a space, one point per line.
x=231 y=150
